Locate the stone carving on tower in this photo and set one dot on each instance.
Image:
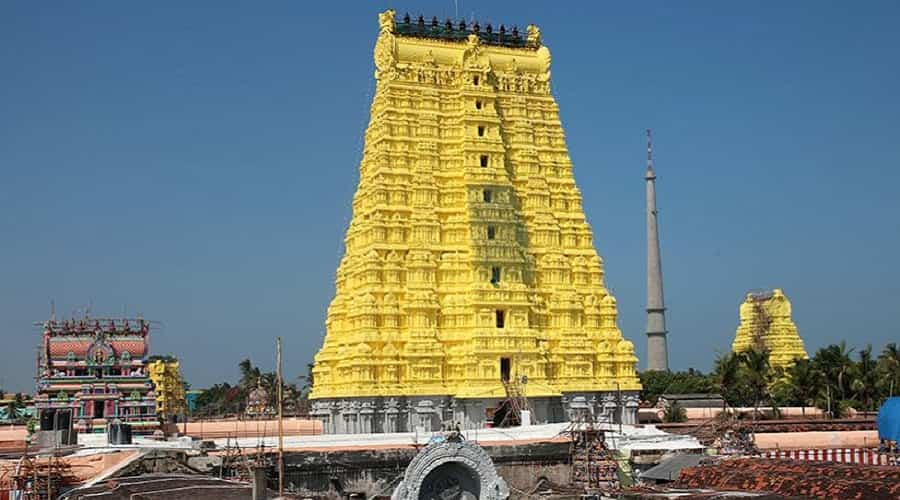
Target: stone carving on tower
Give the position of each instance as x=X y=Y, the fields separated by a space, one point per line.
x=766 y=324
x=469 y=259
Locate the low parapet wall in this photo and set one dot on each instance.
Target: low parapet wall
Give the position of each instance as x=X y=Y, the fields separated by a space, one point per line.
x=816 y=439
x=650 y=415
x=521 y=465
x=217 y=429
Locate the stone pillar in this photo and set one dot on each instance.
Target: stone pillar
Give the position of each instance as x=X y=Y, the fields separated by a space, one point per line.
x=410 y=420
x=355 y=408
x=579 y=410
x=259 y=484
x=333 y=410
x=440 y=412
x=366 y=417
x=425 y=414
x=630 y=408
x=609 y=407
x=390 y=420
x=343 y=424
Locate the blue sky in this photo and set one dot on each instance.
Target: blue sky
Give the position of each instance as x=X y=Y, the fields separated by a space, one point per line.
x=195 y=162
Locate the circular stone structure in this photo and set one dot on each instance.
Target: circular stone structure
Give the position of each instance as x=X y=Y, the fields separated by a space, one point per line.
x=452 y=468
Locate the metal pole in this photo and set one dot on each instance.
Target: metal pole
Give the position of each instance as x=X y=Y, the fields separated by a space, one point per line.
x=280 y=424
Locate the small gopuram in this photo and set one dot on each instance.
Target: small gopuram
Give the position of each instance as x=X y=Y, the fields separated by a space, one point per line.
x=470 y=277
x=766 y=324
x=258 y=403
x=165 y=373
x=93 y=371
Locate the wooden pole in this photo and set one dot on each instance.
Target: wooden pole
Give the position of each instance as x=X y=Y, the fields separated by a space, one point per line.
x=280 y=423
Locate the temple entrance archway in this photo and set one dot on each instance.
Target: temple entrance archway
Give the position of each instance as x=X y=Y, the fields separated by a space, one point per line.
x=452 y=469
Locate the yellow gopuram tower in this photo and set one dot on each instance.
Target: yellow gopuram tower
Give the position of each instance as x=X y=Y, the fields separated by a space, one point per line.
x=470 y=270
x=766 y=324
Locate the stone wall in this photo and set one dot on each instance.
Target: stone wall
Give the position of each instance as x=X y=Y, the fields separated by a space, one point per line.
x=317 y=473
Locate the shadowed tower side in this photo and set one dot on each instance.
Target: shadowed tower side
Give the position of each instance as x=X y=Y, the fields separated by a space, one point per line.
x=657 y=350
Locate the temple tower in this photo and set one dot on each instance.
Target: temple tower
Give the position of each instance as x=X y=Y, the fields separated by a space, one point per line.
x=657 y=350
x=470 y=271
x=766 y=324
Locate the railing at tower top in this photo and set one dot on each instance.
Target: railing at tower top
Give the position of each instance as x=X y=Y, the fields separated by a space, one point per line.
x=448 y=30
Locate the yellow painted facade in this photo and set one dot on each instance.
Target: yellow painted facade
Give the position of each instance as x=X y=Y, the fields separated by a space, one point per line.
x=468 y=251
x=766 y=323
x=169 y=387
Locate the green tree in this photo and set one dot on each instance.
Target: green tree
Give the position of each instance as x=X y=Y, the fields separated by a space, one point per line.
x=835 y=363
x=655 y=383
x=727 y=377
x=865 y=380
x=889 y=370
x=758 y=376
x=804 y=382
x=674 y=413
x=249 y=374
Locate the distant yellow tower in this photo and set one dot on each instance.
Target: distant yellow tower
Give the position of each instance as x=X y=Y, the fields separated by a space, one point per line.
x=469 y=262
x=168 y=386
x=766 y=324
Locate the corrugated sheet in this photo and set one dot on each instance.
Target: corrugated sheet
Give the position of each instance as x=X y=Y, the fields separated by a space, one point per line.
x=669 y=469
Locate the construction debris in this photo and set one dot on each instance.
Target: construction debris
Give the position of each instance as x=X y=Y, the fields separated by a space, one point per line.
x=593 y=464
x=38 y=478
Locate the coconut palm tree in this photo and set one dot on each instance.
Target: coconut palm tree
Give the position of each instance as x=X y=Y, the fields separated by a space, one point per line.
x=249 y=374
x=758 y=375
x=727 y=375
x=835 y=363
x=805 y=382
x=865 y=379
x=889 y=369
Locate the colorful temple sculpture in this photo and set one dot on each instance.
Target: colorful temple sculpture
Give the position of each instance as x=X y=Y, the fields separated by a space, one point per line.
x=470 y=276
x=259 y=403
x=766 y=324
x=93 y=372
x=165 y=374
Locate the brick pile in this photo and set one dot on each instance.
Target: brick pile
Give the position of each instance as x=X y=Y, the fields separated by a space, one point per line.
x=796 y=479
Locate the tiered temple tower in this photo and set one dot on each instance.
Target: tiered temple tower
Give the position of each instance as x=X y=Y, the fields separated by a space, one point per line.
x=766 y=324
x=95 y=371
x=469 y=264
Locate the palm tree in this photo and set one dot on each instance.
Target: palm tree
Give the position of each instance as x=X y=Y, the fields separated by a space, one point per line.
x=726 y=375
x=834 y=361
x=889 y=368
x=759 y=375
x=805 y=382
x=249 y=374
x=865 y=378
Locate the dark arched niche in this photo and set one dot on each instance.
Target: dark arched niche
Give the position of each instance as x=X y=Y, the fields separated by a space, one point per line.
x=450 y=481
